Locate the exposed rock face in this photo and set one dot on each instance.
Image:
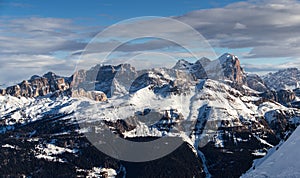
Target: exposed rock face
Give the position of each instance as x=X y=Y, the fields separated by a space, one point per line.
x=78 y=77
x=104 y=78
x=283 y=79
x=232 y=68
x=256 y=83
x=285 y=96
x=56 y=82
x=269 y=94
x=124 y=78
x=26 y=89
x=196 y=69
x=148 y=78
x=183 y=65
x=227 y=66
x=279 y=121
x=120 y=126
x=14 y=90
x=55 y=85
x=2 y=91
x=199 y=68
x=38 y=86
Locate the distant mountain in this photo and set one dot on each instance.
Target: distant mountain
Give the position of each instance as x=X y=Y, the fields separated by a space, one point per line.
x=226 y=66
x=283 y=79
x=225 y=117
x=38 y=86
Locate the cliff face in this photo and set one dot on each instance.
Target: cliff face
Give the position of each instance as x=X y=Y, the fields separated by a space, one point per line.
x=256 y=83
x=54 y=85
x=122 y=78
x=285 y=96
x=38 y=86
x=232 y=68
x=227 y=67
x=95 y=83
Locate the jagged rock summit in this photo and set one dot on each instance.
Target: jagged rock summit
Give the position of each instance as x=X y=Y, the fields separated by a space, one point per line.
x=38 y=86
x=283 y=79
x=119 y=79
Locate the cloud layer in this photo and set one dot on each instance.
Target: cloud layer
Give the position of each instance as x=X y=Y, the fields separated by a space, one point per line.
x=268 y=28
x=35 y=45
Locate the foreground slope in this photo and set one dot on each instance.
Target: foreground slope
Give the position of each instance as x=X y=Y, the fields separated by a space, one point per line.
x=282 y=161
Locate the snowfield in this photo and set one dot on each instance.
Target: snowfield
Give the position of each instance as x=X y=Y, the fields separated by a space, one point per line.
x=280 y=162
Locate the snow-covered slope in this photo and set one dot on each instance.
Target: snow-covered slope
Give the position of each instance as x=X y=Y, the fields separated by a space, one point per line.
x=217 y=113
x=281 y=161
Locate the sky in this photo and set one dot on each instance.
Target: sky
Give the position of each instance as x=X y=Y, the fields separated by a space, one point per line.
x=40 y=36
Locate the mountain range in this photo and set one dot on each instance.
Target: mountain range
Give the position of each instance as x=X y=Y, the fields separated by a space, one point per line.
x=235 y=119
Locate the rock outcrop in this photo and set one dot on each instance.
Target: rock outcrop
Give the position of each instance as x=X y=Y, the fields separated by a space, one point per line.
x=256 y=83
x=54 y=85
x=285 y=96
x=37 y=86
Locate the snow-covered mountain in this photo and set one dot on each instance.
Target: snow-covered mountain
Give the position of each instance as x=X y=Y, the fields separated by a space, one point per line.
x=226 y=120
x=283 y=79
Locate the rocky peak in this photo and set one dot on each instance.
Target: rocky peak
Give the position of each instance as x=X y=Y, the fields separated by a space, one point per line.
x=50 y=75
x=227 y=57
x=205 y=68
x=283 y=79
x=78 y=77
x=56 y=82
x=34 y=77
x=232 y=68
x=105 y=78
x=203 y=61
x=182 y=65
x=291 y=70
x=196 y=69
x=37 y=86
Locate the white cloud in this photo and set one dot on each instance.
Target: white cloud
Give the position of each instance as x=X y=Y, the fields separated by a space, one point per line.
x=30 y=46
x=15 y=68
x=39 y=35
x=270 y=28
x=239 y=26
x=267 y=26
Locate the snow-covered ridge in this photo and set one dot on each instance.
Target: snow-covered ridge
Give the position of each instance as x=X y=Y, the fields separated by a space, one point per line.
x=281 y=161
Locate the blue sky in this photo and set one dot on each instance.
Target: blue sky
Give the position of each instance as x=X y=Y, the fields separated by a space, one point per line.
x=104 y=11
x=37 y=36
